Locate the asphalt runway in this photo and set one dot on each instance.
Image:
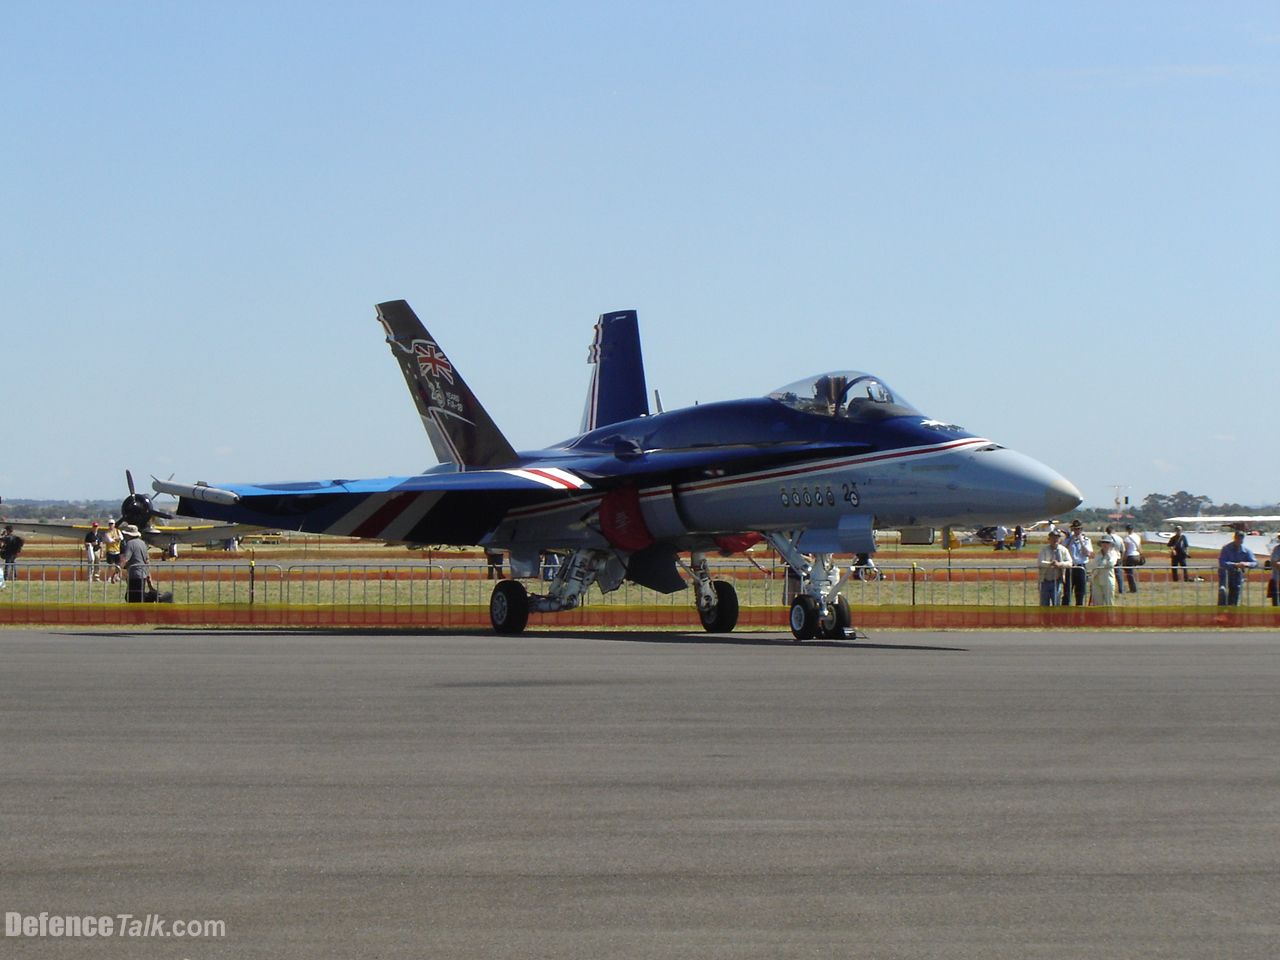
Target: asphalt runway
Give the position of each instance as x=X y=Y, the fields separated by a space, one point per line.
x=957 y=795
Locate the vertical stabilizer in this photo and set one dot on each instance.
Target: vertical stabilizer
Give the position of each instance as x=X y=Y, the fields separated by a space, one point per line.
x=617 y=390
x=460 y=430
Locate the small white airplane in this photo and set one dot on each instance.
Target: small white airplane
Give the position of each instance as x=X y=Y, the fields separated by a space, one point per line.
x=1212 y=533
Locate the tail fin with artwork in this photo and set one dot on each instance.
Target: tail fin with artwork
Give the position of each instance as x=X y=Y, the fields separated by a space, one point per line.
x=460 y=429
x=617 y=389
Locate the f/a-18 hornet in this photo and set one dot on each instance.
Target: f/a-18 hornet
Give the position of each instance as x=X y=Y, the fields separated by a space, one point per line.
x=813 y=468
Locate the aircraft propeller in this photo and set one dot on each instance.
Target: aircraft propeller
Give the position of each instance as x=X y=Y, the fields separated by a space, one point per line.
x=137 y=509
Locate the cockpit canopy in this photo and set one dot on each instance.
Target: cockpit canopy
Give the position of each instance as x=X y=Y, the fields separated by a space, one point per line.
x=847 y=394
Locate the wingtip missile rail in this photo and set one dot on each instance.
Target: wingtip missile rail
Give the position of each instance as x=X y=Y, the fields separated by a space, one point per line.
x=196 y=491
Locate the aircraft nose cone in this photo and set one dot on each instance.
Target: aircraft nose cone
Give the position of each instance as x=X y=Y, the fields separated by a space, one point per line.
x=1061 y=496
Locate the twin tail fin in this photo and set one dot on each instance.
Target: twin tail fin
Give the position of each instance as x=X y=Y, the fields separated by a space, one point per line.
x=460 y=430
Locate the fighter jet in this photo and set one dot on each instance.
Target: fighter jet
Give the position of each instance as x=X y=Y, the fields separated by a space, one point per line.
x=812 y=468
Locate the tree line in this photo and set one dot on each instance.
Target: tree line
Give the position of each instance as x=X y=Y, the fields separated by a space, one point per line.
x=1155 y=507
x=59 y=509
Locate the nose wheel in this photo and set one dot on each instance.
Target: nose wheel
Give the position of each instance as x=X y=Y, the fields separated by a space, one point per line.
x=808 y=621
x=804 y=617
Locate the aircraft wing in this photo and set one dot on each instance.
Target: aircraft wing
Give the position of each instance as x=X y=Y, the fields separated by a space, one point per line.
x=160 y=534
x=453 y=507
x=156 y=535
x=462 y=507
x=38 y=528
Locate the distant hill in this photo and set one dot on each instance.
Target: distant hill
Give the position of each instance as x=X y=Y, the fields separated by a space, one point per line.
x=59 y=509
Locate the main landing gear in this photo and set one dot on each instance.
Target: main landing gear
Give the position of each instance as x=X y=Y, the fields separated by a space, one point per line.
x=717 y=600
x=509 y=607
x=817 y=611
x=510 y=603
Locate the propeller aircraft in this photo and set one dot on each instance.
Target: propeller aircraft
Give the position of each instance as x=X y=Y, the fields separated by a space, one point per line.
x=138 y=509
x=813 y=468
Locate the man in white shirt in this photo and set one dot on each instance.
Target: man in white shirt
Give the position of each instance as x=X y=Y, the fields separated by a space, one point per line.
x=1053 y=560
x=1132 y=557
x=1081 y=549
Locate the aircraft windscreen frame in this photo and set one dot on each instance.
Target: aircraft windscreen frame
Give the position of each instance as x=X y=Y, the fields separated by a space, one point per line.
x=847 y=394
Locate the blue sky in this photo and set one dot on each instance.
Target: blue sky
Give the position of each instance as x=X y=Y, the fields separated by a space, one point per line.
x=1055 y=224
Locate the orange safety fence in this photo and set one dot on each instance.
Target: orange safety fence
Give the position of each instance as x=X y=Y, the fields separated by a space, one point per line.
x=455 y=596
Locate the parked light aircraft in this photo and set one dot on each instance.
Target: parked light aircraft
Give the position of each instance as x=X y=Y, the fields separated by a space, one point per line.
x=1213 y=533
x=812 y=467
x=137 y=509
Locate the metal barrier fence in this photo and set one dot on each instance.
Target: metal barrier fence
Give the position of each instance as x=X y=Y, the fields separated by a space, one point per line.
x=456 y=595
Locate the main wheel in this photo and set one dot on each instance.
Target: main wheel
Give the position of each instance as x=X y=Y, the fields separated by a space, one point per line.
x=840 y=619
x=804 y=617
x=509 y=606
x=723 y=617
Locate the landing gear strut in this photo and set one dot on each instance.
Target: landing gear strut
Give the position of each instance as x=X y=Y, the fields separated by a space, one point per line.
x=717 y=600
x=818 y=610
x=510 y=604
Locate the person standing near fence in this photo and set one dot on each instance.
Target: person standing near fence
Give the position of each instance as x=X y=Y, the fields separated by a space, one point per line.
x=91 y=551
x=1054 y=559
x=10 y=546
x=1117 y=544
x=493 y=564
x=133 y=557
x=1081 y=549
x=1234 y=560
x=1102 y=575
x=112 y=542
x=1132 y=557
x=1178 y=548
x=1275 y=573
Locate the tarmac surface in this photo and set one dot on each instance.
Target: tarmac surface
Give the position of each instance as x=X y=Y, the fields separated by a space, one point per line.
x=954 y=795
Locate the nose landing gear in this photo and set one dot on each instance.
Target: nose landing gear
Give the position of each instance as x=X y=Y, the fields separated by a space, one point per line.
x=819 y=610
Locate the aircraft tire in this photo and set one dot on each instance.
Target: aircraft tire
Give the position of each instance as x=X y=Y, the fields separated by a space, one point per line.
x=804 y=617
x=723 y=617
x=509 y=607
x=841 y=620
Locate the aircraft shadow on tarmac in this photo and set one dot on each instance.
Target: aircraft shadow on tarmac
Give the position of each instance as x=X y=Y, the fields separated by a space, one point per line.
x=655 y=637
x=746 y=640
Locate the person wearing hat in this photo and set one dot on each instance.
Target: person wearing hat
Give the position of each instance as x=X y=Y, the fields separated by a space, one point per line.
x=1233 y=561
x=1081 y=549
x=1102 y=574
x=133 y=557
x=1053 y=560
x=1178 y=548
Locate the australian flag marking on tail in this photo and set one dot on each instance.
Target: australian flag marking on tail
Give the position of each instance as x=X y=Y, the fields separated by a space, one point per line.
x=432 y=361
